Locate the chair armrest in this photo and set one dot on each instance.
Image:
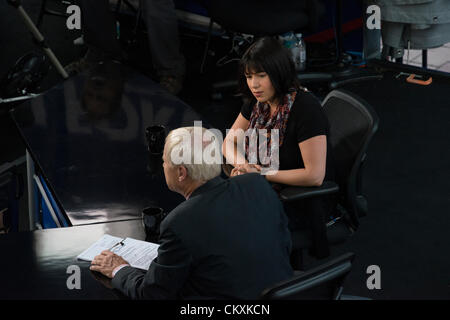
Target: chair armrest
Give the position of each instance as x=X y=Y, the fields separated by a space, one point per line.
x=297 y=193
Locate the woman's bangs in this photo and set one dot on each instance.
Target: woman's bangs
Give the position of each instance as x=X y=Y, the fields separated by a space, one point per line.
x=252 y=66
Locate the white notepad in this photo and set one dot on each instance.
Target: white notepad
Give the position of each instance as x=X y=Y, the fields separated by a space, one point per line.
x=139 y=254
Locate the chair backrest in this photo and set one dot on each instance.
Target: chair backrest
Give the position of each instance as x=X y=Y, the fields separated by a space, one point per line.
x=353 y=123
x=265 y=17
x=324 y=282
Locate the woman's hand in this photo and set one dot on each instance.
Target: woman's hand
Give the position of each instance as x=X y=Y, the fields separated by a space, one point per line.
x=245 y=168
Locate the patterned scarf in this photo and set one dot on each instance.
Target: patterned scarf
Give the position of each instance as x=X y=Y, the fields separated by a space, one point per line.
x=259 y=151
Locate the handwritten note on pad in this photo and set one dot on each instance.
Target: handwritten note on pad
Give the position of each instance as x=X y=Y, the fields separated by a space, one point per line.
x=139 y=254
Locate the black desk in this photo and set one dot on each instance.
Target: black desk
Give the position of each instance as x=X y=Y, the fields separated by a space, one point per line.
x=34 y=264
x=87 y=140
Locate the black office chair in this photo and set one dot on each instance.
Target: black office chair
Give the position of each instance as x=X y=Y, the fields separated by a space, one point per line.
x=353 y=123
x=258 y=17
x=324 y=282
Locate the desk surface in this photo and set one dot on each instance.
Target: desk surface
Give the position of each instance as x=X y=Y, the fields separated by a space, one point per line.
x=34 y=264
x=87 y=137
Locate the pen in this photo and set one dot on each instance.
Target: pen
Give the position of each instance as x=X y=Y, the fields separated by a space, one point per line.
x=118 y=243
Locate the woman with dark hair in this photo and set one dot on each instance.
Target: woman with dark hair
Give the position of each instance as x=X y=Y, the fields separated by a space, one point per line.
x=296 y=129
x=273 y=99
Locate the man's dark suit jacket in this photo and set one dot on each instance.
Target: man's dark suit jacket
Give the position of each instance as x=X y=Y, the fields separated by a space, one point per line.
x=229 y=240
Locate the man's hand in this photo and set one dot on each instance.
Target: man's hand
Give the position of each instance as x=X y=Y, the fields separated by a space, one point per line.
x=245 y=168
x=106 y=262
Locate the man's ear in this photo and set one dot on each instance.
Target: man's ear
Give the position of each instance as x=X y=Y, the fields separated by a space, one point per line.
x=182 y=173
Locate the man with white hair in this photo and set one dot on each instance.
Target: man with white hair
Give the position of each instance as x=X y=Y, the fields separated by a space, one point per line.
x=228 y=240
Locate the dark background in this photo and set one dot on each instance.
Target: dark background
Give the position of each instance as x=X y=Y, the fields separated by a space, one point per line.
x=407 y=172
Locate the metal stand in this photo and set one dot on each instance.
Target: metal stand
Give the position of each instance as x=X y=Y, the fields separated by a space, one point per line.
x=425 y=58
x=28 y=96
x=32 y=202
x=39 y=37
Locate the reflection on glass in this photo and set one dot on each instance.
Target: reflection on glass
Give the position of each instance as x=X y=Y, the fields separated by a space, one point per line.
x=103 y=89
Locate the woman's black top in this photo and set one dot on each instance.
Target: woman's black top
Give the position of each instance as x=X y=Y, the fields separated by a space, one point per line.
x=306 y=120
